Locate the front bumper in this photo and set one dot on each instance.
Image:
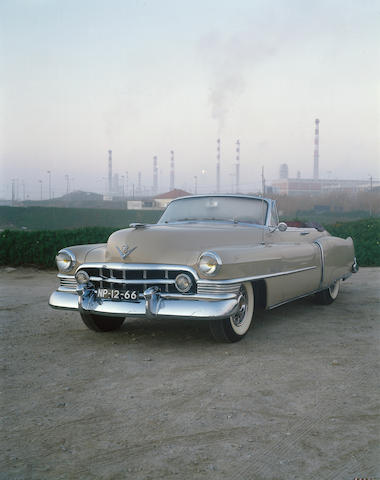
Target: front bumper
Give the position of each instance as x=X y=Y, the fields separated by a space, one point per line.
x=154 y=304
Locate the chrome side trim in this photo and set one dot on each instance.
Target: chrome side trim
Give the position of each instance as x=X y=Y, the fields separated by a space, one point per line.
x=294 y=298
x=318 y=243
x=257 y=277
x=344 y=277
x=200 y=282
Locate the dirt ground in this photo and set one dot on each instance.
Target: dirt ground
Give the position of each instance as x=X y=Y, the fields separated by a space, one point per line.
x=296 y=399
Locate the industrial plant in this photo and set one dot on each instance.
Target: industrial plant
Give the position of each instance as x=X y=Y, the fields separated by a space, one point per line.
x=121 y=192
x=286 y=185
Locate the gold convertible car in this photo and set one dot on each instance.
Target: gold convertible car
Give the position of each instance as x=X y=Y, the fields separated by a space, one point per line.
x=209 y=257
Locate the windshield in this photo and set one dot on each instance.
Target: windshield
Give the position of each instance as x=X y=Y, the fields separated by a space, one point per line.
x=233 y=209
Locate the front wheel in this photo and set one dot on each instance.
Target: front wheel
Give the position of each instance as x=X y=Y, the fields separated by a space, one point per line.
x=329 y=295
x=100 y=323
x=235 y=327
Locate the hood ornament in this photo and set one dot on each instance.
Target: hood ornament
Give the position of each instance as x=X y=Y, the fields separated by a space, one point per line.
x=124 y=251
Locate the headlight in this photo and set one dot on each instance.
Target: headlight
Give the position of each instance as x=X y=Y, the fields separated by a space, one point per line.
x=183 y=283
x=65 y=260
x=209 y=263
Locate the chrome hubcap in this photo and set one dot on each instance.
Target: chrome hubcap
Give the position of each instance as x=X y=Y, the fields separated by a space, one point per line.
x=239 y=316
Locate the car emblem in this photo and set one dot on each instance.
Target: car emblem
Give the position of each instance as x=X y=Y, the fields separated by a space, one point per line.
x=124 y=251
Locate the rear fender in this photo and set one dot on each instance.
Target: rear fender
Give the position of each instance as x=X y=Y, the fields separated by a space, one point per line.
x=337 y=257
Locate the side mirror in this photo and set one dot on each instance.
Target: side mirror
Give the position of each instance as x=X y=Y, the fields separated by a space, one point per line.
x=282 y=226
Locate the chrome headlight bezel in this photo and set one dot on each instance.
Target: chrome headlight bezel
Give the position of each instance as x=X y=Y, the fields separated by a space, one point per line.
x=186 y=278
x=67 y=261
x=82 y=277
x=209 y=263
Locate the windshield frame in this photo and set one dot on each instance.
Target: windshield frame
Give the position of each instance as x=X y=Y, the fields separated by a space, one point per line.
x=270 y=204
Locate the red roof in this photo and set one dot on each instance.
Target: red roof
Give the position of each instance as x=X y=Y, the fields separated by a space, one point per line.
x=176 y=193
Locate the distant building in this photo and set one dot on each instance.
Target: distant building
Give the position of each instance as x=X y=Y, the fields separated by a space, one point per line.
x=309 y=186
x=284 y=170
x=147 y=204
x=162 y=200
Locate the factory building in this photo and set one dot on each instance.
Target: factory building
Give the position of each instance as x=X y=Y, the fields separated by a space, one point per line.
x=315 y=186
x=309 y=186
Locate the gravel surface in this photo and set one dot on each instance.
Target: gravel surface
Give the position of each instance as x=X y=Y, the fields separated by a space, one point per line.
x=296 y=399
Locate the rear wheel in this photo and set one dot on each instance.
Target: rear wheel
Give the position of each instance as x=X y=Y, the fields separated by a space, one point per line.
x=329 y=295
x=235 y=327
x=99 y=323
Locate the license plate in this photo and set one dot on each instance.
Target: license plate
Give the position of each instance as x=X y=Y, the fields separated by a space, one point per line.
x=113 y=294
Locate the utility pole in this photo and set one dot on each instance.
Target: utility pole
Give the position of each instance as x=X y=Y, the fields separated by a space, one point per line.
x=126 y=184
x=171 y=170
x=218 y=165
x=195 y=184
x=237 y=179
x=155 y=175
x=123 y=187
x=262 y=181
x=40 y=182
x=13 y=192
x=67 y=184
x=49 y=173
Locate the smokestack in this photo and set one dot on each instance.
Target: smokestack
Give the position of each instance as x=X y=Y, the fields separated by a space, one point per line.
x=237 y=166
x=218 y=165
x=171 y=170
x=139 y=183
x=109 y=171
x=155 y=175
x=316 y=150
x=262 y=180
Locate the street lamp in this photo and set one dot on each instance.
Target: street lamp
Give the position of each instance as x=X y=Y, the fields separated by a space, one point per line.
x=67 y=183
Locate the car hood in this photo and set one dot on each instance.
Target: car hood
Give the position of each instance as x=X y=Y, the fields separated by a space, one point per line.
x=179 y=244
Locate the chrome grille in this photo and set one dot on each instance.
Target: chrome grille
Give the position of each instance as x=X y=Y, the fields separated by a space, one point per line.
x=124 y=278
x=215 y=287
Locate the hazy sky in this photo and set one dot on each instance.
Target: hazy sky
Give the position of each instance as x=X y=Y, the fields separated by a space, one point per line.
x=143 y=77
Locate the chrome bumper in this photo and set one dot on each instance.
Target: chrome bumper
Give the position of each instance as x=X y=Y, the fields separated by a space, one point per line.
x=155 y=304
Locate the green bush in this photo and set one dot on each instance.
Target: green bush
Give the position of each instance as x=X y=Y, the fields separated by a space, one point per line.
x=40 y=247
x=366 y=236
x=53 y=218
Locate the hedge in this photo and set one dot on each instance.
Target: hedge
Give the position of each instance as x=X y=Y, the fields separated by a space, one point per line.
x=53 y=218
x=40 y=247
x=366 y=236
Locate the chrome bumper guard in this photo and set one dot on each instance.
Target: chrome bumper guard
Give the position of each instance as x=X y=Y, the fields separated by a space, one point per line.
x=154 y=304
x=355 y=266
